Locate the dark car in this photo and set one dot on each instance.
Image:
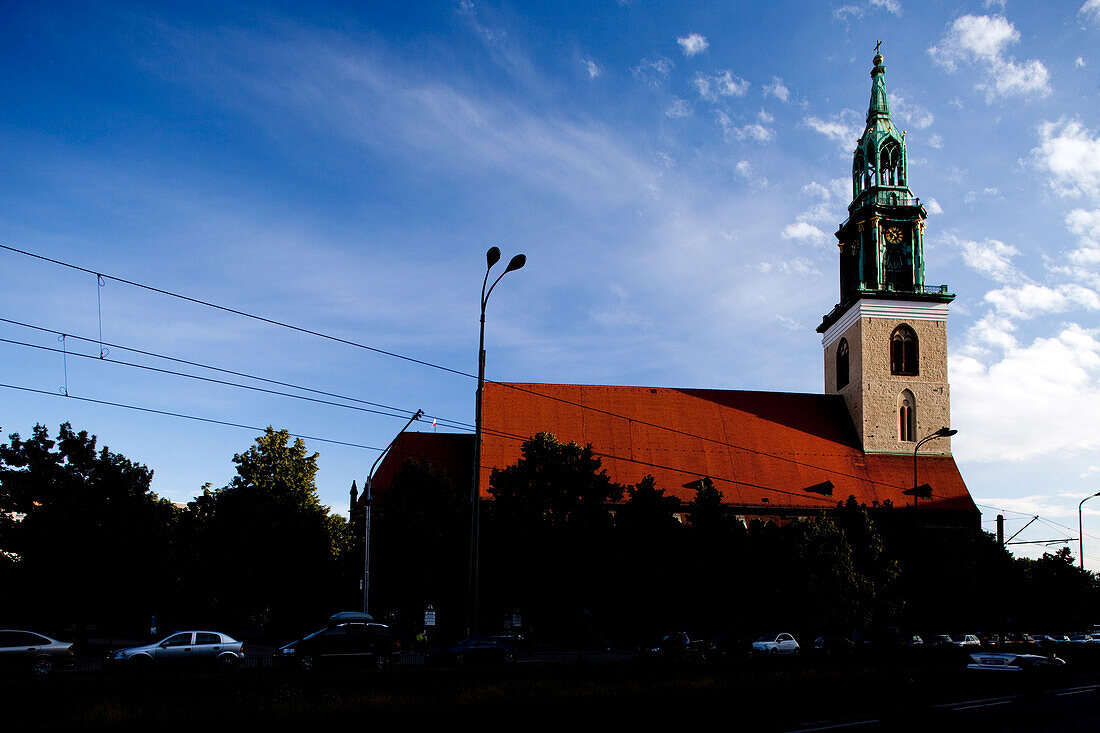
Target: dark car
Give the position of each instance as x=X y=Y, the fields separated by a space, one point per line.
x=26 y=650
x=348 y=644
x=833 y=645
x=477 y=650
x=680 y=647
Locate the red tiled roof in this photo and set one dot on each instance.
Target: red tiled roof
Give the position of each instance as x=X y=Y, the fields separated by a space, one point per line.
x=759 y=448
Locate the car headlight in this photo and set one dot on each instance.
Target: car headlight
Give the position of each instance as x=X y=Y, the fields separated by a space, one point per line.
x=287 y=650
x=119 y=655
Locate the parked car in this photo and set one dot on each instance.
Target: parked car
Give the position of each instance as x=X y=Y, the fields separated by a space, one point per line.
x=965 y=640
x=342 y=644
x=27 y=650
x=477 y=650
x=183 y=648
x=680 y=647
x=1080 y=639
x=775 y=644
x=937 y=641
x=1020 y=663
x=833 y=645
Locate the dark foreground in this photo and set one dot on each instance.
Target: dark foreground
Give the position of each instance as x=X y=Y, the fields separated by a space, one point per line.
x=767 y=695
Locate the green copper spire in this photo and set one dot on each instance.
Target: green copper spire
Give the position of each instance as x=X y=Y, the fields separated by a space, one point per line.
x=882 y=240
x=879 y=160
x=880 y=106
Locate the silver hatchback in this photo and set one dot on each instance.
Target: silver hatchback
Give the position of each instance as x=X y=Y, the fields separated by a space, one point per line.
x=184 y=647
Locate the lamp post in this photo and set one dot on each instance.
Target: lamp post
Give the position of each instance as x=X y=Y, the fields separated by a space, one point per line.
x=492 y=256
x=944 y=432
x=1081 y=529
x=368 y=499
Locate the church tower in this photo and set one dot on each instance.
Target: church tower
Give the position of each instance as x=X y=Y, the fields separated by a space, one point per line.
x=886 y=340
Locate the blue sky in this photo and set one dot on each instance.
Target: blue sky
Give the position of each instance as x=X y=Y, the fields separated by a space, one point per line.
x=673 y=171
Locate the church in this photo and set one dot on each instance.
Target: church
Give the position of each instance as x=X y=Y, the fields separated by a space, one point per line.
x=878 y=433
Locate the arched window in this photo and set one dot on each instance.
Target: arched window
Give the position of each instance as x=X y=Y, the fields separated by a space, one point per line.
x=904 y=354
x=842 y=364
x=890 y=164
x=907 y=417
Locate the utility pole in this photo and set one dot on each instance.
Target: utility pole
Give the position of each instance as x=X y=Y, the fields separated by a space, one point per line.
x=1001 y=530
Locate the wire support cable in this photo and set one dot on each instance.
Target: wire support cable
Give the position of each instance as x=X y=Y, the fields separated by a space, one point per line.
x=243 y=314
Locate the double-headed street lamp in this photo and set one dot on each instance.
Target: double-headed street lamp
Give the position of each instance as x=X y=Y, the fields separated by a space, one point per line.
x=1081 y=529
x=944 y=432
x=491 y=258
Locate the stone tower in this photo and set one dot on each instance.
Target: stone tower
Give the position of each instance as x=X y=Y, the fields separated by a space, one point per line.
x=886 y=340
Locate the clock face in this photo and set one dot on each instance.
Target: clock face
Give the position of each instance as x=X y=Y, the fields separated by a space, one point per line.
x=894 y=235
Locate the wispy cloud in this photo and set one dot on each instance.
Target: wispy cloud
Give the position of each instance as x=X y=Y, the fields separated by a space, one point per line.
x=720 y=84
x=592 y=68
x=777 y=89
x=843 y=128
x=653 y=71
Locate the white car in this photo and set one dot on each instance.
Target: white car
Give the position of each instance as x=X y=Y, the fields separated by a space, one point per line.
x=964 y=640
x=775 y=644
x=182 y=648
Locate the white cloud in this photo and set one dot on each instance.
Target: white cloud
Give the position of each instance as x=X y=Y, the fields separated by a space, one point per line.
x=722 y=83
x=803 y=231
x=845 y=12
x=911 y=113
x=999 y=4
x=1079 y=63
x=679 y=108
x=1070 y=155
x=653 y=72
x=935 y=141
x=764 y=118
x=813 y=189
x=777 y=90
x=1030 y=300
x=890 y=6
x=1091 y=10
x=844 y=128
x=982 y=40
x=592 y=68
x=989 y=257
x=693 y=44
x=753 y=131
x=1040 y=399
x=934 y=207
x=746 y=171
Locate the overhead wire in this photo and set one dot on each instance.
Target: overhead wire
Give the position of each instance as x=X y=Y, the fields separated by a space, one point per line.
x=450 y=370
x=103 y=359
x=182 y=415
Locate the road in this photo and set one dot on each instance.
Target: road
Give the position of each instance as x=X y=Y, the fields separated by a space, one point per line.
x=783 y=695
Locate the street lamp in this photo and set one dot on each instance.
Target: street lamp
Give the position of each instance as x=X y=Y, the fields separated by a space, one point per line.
x=492 y=256
x=1081 y=529
x=368 y=499
x=944 y=432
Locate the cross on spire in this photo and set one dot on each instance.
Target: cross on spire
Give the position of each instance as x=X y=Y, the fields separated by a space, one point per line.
x=877 y=45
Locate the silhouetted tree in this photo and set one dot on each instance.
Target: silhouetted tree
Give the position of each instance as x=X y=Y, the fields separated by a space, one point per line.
x=267 y=553
x=84 y=538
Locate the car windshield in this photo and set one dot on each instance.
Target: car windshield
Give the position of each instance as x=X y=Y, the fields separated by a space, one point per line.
x=315 y=634
x=767 y=637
